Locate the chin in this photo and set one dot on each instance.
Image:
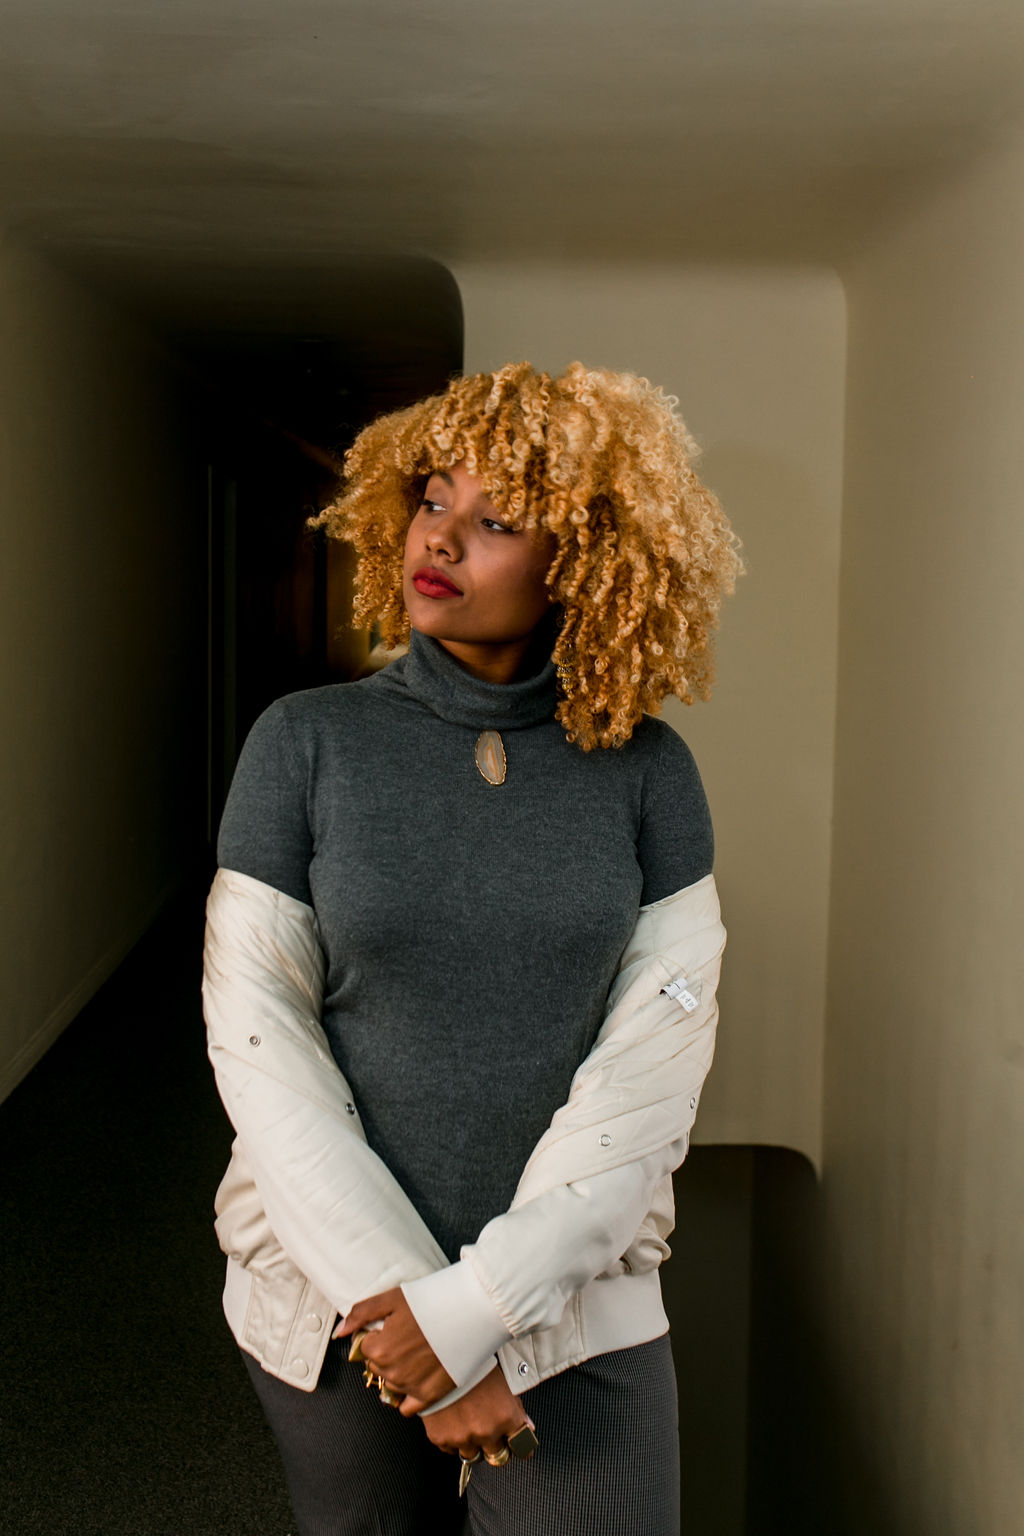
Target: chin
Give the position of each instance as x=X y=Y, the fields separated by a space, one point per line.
x=429 y=623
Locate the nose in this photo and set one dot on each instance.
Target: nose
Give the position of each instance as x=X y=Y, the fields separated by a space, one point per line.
x=443 y=537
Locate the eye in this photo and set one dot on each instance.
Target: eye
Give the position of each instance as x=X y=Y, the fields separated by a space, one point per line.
x=493 y=522
x=427 y=505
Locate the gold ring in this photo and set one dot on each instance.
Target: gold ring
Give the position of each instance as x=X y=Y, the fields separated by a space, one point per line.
x=355 y=1352
x=497 y=1458
x=523 y=1442
x=469 y=1460
x=389 y=1395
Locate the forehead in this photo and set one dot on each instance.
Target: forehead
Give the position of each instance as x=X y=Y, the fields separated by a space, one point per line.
x=460 y=480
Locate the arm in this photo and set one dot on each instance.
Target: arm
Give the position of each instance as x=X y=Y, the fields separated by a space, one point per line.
x=334 y=1206
x=589 y=1182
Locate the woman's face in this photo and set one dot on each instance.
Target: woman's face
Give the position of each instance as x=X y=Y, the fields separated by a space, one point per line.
x=470 y=580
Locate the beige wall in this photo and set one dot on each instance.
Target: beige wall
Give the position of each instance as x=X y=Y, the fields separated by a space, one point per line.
x=924 y=1108
x=98 y=685
x=757 y=359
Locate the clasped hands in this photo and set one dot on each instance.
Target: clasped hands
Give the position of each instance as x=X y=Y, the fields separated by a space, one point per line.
x=477 y=1423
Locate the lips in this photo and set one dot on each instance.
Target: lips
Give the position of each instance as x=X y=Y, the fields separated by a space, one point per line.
x=433 y=583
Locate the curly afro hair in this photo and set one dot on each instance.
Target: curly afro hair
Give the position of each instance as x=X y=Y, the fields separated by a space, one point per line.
x=644 y=553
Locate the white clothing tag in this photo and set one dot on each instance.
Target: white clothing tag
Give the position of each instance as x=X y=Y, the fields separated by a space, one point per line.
x=684 y=991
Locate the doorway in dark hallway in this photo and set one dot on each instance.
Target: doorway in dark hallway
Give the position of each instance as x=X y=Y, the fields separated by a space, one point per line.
x=278 y=410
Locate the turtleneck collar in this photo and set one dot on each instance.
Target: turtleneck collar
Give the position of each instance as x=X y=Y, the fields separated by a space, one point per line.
x=437 y=680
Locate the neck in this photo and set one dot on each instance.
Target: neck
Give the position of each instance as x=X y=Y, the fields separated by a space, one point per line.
x=497 y=663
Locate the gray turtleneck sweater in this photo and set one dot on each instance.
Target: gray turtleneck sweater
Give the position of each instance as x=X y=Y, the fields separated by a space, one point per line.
x=471 y=932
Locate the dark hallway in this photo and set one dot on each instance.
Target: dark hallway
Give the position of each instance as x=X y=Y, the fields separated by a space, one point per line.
x=125 y=1410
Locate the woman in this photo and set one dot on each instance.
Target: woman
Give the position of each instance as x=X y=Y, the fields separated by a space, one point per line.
x=461 y=960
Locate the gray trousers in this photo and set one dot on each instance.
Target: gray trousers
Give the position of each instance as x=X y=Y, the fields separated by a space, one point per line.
x=608 y=1463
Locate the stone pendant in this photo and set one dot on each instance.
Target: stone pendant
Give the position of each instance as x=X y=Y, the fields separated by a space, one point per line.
x=490 y=757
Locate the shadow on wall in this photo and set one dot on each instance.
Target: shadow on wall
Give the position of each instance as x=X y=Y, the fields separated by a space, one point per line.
x=809 y=1469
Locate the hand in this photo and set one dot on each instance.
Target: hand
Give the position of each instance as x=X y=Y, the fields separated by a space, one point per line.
x=398 y=1351
x=481 y=1420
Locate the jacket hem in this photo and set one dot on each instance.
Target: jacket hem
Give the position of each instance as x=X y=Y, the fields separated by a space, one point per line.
x=294 y=1349
x=610 y=1313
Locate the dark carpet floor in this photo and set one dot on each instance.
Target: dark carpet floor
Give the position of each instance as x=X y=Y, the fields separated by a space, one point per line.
x=124 y=1407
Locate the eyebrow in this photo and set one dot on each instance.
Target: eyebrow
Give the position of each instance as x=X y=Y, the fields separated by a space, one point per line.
x=442 y=474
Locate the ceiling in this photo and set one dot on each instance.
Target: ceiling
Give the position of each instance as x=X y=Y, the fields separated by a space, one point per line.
x=181 y=143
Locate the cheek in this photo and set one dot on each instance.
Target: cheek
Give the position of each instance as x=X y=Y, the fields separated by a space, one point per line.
x=532 y=595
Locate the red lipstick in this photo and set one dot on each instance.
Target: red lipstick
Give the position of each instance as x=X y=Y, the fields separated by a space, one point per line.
x=433 y=583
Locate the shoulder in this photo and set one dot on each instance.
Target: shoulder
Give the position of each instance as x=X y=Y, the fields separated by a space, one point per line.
x=309 y=707
x=304 y=718
x=661 y=756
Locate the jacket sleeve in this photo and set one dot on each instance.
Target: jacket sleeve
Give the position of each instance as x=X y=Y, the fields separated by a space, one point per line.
x=333 y=1205
x=590 y=1180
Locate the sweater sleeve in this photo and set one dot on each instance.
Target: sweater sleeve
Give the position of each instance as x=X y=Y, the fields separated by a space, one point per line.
x=265 y=832
x=676 y=845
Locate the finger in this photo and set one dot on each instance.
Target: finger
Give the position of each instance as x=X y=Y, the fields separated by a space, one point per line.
x=495 y=1451
x=411 y=1406
x=368 y=1352
x=357 y=1346
x=367 y=1316
x=366 y=1313
x=437 y=1437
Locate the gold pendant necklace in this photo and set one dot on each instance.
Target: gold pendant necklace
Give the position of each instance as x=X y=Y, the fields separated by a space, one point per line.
x=490 y=757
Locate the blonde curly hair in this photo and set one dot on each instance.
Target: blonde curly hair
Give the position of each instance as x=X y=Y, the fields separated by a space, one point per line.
x=644 y=553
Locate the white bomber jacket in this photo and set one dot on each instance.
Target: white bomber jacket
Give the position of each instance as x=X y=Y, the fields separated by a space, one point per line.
x=312 y=1220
